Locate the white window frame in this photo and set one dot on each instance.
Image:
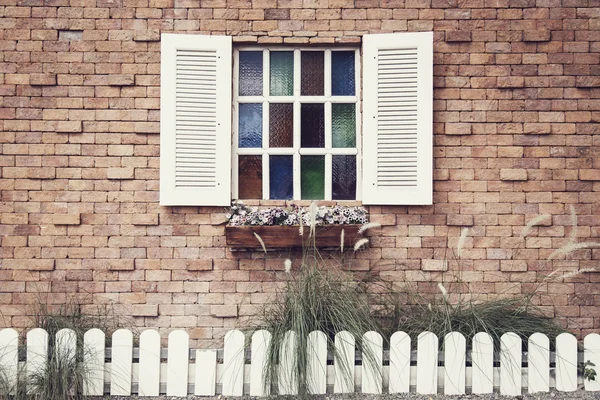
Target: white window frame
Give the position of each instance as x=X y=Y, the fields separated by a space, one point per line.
x=327 y=99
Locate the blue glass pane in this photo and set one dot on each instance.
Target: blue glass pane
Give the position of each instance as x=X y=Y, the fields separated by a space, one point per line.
x=251 y=73
x=342 y=73
x=281 y=177
x=250 y=125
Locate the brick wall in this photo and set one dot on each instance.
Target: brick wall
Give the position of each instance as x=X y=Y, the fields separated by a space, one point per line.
x=517 y=106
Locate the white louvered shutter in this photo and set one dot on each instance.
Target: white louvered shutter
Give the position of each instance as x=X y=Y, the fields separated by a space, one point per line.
x=195 y=120
x=398 y=118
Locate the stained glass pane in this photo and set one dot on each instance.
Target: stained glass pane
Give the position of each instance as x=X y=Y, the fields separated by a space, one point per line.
x=250 y=177
x=281 y=177
x=342 y=73
x=343 y=125
x=281 y=125
x=312 y=72
x=312 y=125
x=251 y=73
x=282 y=73
x=343 y=170
x=250 y=125
x=312 y=177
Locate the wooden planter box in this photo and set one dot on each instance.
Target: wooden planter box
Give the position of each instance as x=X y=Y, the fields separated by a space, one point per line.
x=281 y=237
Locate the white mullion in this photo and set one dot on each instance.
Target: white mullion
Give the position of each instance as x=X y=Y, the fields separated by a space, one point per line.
x=296 y=159
x=305 y=99
x=358 y=114
x=266 y=73
x=338 y=151
x=265 y=148
x=235 y=127
x=328 y=140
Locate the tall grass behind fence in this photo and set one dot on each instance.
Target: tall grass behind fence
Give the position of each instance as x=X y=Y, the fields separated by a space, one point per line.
x=238 y=369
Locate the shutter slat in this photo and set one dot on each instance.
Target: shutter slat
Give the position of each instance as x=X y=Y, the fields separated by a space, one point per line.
x=195 y=120
x=398 y=75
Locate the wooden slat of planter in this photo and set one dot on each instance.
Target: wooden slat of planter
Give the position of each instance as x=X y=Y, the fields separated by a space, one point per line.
x=277 y=237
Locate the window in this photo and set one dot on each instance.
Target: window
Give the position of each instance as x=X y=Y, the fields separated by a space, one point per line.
x=285 y=129
x=295 y=121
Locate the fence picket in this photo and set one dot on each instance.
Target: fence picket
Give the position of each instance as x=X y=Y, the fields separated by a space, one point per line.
x=177 y=363
x=149 y=384
x=121 y=365
x=9 y=357
x=287 y=379
x=427 y=362
x=372 y=362
x=343 y=363
x=233 y=364
x=591 y=353
x=316 y=362
x=566 y=362
x=65 y=345
x=261 y=341
x=510 y=364
x=538 y=361
x=206 y=373
x=37 y=352
x=482 y=372
x=455 y=351
x=399 y=363
x=93 y=358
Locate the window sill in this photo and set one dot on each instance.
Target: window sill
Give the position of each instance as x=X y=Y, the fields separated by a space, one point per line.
x=282 y=237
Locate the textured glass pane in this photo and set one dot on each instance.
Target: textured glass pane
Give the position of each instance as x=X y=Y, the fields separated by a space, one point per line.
x=281 y=125
x=343 y=182
x=312 y=182
x=282 y=73
x=312 y=73
x=312 y=125
x=250 y=177
x=250 y=125
x=342 y=73
x=251 y=73
x=343 y=125
x=281 y=177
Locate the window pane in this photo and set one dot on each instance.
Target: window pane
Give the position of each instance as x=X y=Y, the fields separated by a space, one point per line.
x=250 y=177
x=282 y=73
x=342 y=71
x=281 y=125
x=251 y=73
x=312 y=182
x=281 y=177
x=250 y=125
x=343 y=125
x=343 y=170
x=312 y=73
x=312 y=125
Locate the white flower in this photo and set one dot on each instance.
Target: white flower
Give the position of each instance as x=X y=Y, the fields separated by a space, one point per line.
x=288 y=265
x=360 y=243
x=370 y=225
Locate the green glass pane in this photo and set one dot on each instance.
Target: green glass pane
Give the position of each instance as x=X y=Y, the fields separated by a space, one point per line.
x=312 y=177
x=282 y=73
x=343 y=125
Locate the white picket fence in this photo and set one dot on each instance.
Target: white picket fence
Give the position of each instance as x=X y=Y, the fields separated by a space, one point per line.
x=234 y=371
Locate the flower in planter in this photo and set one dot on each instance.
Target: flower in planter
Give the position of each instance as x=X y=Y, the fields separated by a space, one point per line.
x=240 y=215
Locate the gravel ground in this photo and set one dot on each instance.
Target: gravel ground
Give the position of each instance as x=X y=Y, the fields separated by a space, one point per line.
x=580 y=394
